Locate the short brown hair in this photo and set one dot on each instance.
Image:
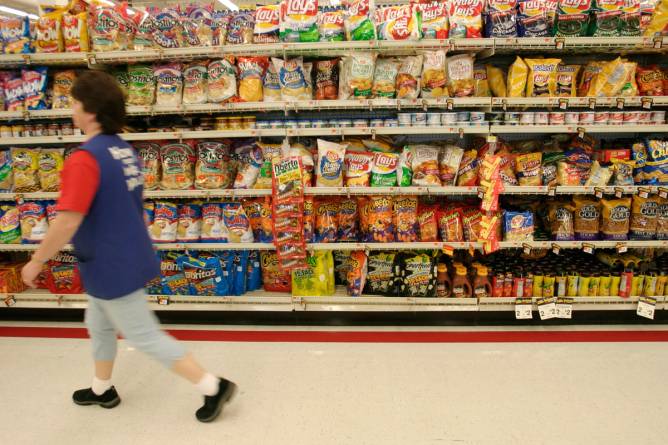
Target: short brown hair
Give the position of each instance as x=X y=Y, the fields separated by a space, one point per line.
x=100 y=94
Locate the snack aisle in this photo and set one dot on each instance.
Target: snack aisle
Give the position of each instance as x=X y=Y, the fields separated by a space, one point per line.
x=435 y=174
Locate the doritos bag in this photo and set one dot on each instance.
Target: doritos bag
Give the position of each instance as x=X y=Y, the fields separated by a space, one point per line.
x=64 y=276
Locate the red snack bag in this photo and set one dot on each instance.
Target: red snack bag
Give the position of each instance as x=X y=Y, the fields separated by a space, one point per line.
x=48 y=36
x=428 y=222
x=64 y=276
x=273 y=278
x=251 y=73
x=650 y=80
x=466 y=18
x=327 y=79
x=450 y=225
x=471 y=218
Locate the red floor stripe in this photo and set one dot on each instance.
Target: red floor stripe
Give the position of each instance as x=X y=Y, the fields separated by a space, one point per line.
x=367 y=336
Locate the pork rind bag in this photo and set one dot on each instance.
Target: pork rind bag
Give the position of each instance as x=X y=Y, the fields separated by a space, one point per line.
x=385 y=78
x=169 y=84
x=149 y=155
x=267 y=24
x=178 y=165
x=408 y=78
x=299 y=21
x=398 y=23
x=292 y=78
x=221 y=80
x=466 y=18
x=141 y=85
x=251 y=73
x=195 y=83
x=434 y=81
x=358 y=22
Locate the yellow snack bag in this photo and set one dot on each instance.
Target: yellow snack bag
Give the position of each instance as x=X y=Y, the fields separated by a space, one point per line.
x=517 y=78
x=497 y=81
x=610 y=81
x=480 y=82
x=589 y=74
x=630 y=88
x=317 y=279
x=658 y=26
x=567 y=76
x=542 y=79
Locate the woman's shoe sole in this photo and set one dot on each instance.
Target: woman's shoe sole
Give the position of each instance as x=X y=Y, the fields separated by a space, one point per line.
x=108 y=405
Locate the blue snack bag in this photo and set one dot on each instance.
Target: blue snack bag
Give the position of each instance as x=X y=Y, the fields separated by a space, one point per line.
x=533 y=19
x=239 y=270
x=154 y=287
x=254 y=279
x=34 y=87
x=15 y=35
x=174 y=282
x=204 y=275
x=226 y=259
x=501 y=18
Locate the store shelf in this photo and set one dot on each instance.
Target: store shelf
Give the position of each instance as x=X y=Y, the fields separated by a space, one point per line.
x=384 y=304
x=565 y=129
x=580 y=244
x=579 y=304
x=578 y=102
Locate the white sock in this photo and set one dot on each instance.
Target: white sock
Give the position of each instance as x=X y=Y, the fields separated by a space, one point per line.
x=100 y=386
x=208 y=386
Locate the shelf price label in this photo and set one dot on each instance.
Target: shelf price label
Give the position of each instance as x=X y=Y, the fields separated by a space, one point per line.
x=619 y=192
x=552 y=191
x=592 y=104
x=563 y=104
x=598 y=192
x=523 y=309
x=622 y=248
x=646 y=307
x=10 y=301
x=620 y=103
x=646 y=103
x=163 y=300
x=450 y=104
x=663 y=192
x=547 y=308
x=526 y=248
x=560 y=43
x=556 y=249
x=564 y=308
x=588 y=248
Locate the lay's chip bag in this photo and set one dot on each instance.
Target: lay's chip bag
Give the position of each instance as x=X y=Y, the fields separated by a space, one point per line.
x=358 y=22
x=542 y=79
x=299 y=21
x=435 y=24
x=398 y=23
x=606 y=18
x=267 y=24
x=331 y=25
x=532 y=19
x=572 y=18
x=501 y=18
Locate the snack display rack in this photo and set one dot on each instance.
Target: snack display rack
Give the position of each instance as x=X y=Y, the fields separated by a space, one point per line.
x=267 y=301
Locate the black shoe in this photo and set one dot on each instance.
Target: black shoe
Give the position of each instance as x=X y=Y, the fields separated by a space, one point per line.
x=213 y=405
x=107 y=400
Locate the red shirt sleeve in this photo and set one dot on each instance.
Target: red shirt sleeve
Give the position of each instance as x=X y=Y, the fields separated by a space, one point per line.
x=79 y=182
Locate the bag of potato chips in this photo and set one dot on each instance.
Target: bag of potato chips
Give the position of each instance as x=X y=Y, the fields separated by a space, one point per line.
x=542 y=79
x=517 y=78
x=251 y=73
x=433 y=75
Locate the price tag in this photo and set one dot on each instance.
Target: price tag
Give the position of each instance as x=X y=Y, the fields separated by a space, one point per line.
x=622 y=248
x=592 y=104
x=564 y=308
x=556 y=249
x=598 y=192
x=547 y=308
x=26 y=115
x=663 y=192
x=643 y=193
x=163 y=300
x=461 y=133
x=559 y=43
x=92 y=60
x=588 y=248
x=523 y=309
x=527 y=249
x=581 y=132
x=646 y=307
x=551 y=191
x=646 y=103
x=658 y=42
x=504 y=104
x=481 y=192
x=10 y=301
x=450 y=104
x=563 y=104
x=620 y=103
x=619 y=192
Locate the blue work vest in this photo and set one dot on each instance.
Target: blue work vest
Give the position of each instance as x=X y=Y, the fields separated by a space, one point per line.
x=112 y=244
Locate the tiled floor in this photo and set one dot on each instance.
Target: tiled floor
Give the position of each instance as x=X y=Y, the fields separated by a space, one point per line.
x=347 y=393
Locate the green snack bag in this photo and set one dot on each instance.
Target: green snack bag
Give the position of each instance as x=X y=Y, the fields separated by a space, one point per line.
x=358 y=23
x=606 y=18
x=384 y=170
x=405 y=168
x=572 y=18
x=629 y=22
x=141 y=85
x=299 y=21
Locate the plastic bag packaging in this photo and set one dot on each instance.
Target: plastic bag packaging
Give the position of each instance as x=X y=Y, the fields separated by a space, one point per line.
x=238 y=272
x=501 y=18
x=292 y=78
x=271 y=85
x=309 y=219
x=6 y=175
x=449 y=161
x=168 y=32
x=251 y=72
x=650 y=80
x=237 y=223
x=331 y=25
x=406 y=218
x=358 y=169
x=62 y=89
x=34 y=88
x=450 y=225
x=34 y=223
x=398 y=23
x=165 y=223
x=589 y=74
x=267 y=24
x=610 y=81
x=48 y=33
x=204 y=275
x=471 y=221
x=517 y=78
x=221 y=80
x=149 y=155
x=109 y=29
x=518 y=226
x=299 y=21
x=178 y=165
x=358 y=22
x=13 y=92
x=212 y=223
x=417 y=275
x=317 y=279
x=141 y=85
x=356 y=273
x=606 y=18
x=587 y=214
x=10 y=226
x=598 y=176
x=662 y=220
x=169 y=84
x=428 y=222
x=480 y=82
x=219 y=27
x=408 y=77
x=254 y=274
x=629 y=24
x=380 y=277
x=572 y=18
x=189 y=225
x=273 y=277
x=347 y=222
x=468 y=169
x=466 y=18
x=460 y=75
x=211 y=169
x=362 y=67
x=63 y=276
x=435 y=24
x=25 y=164
x=197 y=23
x=615 y=218
x=15 y=35
x=644 y=212
x=240 y=28
x=269 y=153
x=327 y=79
x=144 y=26
x=623 y=172
x=250 y=164
x=384 y=79
x=542 y=78
x=380 y=220
x=50 y=163
x=497 y=81
x=567 y=76
x=425 y=165
x=434 y=82
x=330 y=164
x=658 y=25
x=560 y=218
x=532 y=19
x=173 y=280
x=308 y=165
x=405 y=168
x=384 y=170
x=656 y=165
x=195 y=83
